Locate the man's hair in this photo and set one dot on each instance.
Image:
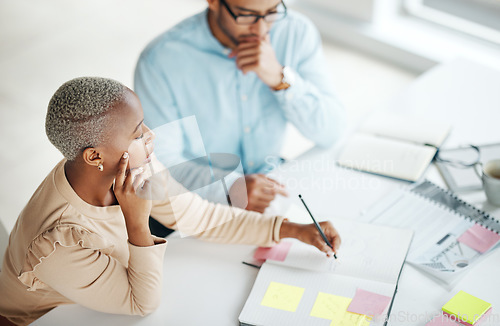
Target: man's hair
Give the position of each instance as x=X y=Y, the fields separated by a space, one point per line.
x=77 y=114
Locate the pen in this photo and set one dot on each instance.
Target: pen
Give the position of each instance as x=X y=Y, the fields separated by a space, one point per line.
x=256 y=266
x=317 y=226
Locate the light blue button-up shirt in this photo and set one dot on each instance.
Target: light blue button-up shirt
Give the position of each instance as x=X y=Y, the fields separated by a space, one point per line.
x=186 y=72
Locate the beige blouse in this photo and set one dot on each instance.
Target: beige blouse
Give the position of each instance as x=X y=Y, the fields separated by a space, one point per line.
x=63 y=250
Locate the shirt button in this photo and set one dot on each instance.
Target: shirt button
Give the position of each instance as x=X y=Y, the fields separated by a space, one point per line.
x=244 y=97
x=246 y=130
x=225 y=51
x=250 y=163
x=289 y=96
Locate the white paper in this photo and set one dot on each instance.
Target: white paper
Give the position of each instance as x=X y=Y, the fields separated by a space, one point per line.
x=420 y=130
x=389 y=157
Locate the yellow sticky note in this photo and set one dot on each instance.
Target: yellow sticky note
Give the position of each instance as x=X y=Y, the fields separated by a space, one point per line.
x=352 y=319
x=466 y=307
x=282 y=296
x=334 y=308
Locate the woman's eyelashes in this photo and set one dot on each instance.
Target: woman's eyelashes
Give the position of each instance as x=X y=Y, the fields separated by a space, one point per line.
x=140 y=137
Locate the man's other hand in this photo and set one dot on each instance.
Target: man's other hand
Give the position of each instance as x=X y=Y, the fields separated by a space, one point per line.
x=260 y=192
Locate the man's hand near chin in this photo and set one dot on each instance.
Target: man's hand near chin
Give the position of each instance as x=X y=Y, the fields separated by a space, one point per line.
x=260 y=192
x=256 y=54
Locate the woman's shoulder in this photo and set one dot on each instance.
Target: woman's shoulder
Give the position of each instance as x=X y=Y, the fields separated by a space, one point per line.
x=55 y=202
x=46 y=199
x=54 y=215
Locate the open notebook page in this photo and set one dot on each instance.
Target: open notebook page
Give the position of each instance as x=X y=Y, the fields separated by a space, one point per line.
x=389 y=157
x=367 y=251
x=301 y=288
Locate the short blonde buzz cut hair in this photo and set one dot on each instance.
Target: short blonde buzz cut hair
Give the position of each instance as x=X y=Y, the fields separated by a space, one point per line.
x=76 y=116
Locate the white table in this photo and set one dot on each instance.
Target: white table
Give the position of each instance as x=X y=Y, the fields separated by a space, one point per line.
x=207 y=284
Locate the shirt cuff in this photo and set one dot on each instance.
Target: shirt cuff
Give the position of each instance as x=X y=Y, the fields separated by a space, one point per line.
x=142 y=256
x=231 y=178
x=158 y=241
x=293 y=92
x=277 y=227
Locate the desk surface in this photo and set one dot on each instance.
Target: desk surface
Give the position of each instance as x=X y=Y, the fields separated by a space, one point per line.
x=205 y=283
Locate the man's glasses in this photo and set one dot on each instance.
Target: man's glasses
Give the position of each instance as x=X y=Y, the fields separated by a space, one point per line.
x=278 y=14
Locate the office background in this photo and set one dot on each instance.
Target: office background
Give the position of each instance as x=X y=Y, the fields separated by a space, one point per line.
x=45 y=43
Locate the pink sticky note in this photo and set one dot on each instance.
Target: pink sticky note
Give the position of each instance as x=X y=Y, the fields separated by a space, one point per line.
x=277 y=252
x=368 y=303
x=479 y=238
x=441 y=320
x=459 y=321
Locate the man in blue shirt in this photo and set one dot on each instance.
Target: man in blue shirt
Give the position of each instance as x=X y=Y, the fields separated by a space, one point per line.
x=243 y=69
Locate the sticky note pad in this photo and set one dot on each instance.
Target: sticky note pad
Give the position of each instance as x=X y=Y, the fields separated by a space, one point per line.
x=282 y=296
x=442 y=320
x=465 y=308
x=479 y=238
x=334 y=308
x=368 y=303
x=277 y=252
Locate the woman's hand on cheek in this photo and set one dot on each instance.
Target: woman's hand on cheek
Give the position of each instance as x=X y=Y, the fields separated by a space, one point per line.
x=136 y=209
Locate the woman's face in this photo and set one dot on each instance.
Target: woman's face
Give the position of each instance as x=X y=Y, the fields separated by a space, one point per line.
x=141 y=148
x=128 y=133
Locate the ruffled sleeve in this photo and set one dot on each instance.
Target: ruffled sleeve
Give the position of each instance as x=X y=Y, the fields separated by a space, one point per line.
x=78 y=265
x=44 y=245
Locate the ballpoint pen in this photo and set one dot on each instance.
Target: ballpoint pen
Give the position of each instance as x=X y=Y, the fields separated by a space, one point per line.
x=317 y=226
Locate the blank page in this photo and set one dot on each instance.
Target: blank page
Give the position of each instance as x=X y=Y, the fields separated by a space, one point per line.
x=367 y=251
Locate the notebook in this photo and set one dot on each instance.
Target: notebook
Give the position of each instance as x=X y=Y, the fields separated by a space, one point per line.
x=450 y=235
x=306 y=288
x=395 y=146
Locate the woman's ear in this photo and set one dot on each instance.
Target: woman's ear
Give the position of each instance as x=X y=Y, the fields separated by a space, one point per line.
x=92 y=157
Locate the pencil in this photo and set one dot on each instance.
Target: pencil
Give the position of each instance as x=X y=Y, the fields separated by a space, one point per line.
x=317 y=226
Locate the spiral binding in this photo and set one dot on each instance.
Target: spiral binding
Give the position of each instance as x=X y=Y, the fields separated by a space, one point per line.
x=426 y=188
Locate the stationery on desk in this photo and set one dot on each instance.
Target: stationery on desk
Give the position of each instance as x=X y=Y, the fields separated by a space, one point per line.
x=450 y=234
x=304 y=287
x=456 y=165
x=395 y=146
x=464 y=309
x=317 y=226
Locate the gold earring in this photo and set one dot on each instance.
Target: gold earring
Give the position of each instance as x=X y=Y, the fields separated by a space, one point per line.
x=100 y=167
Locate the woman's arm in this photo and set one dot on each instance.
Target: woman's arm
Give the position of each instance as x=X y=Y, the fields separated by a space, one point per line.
x=98 y=281
x=191 y=215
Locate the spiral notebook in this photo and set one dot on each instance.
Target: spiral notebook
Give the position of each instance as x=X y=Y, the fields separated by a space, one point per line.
x=451 y=236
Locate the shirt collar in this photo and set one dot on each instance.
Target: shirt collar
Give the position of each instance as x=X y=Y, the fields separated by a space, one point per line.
x=63 y=186
x=213 y=42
